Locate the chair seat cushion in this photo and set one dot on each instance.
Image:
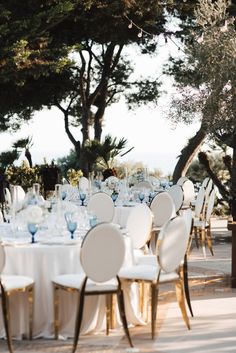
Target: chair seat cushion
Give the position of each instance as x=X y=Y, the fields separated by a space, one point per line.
x=11 y=282
x=75 y=281
x=147 y=272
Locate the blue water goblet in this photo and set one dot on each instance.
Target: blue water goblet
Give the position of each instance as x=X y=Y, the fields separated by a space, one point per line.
x=63 y=195
x=71 y=226
x=114 y=196
x=141 y=196
x=71 y=223
x=82 y=197
x=32 y=228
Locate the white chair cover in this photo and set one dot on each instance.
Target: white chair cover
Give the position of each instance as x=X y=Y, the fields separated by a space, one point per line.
x=181 y=180
x=189 y=192
x=139 y=225
x=101 y=205
x=84 y=184
x=102 y=252
x=163 y=208
x=173 y=244
x=177 y=194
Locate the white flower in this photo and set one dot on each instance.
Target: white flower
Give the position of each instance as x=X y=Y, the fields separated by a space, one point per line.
x=34 y=214
x=112 y=183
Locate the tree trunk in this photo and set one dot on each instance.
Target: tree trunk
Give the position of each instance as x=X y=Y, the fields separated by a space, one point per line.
x=189 y=152
x=233 y=181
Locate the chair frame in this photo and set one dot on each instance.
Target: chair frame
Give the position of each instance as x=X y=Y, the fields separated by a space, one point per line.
x=80 y=304
x=154 y=289
x=5 y=295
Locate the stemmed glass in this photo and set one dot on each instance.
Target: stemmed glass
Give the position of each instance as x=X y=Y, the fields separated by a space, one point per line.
x=71 y=223
x=63 y=195
x=114 y=196
x=82 y=197
x=141 y=196
x=32 y=228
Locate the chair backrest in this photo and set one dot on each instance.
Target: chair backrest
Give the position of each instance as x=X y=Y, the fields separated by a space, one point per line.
x=101 y=205
x=102 y=252
x=205 y=182
x=181 y=180
x=83 y=183
x=139 y=225
x=208 y=188
x=7 y=196
x=163 y=208
x=2 y=258
x=189 y=192
x=177 y=194
x=188 y=217
x=199 y=202
x=173 y=244
x=210 y=205
x=17 y=193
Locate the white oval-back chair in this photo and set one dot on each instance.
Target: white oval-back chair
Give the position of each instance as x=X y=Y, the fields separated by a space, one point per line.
x=177 y=194
x=10 y=284
x=163 y=209
x=102 y=255
x=202 y=226
x=101 y=205
x=172 y=246
x=139 y=226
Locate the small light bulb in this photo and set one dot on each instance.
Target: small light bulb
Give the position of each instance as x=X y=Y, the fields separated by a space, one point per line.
x=130 y=25
x=140 y=34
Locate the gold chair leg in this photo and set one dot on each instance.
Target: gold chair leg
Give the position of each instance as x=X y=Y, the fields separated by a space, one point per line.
x=6 y=318
x=121 y=306
x=154 y=297
x=31 y=310
x=209 y=240
x=181 y=301
x=56 y=310
x=109 y=312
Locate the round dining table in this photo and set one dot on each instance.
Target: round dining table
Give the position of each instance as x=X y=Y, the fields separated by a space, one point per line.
x=42 y=261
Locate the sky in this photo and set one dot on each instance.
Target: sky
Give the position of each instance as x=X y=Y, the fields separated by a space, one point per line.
x=156 y=143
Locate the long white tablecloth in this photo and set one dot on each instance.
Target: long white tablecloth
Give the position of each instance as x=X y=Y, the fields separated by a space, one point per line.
x=43 y=262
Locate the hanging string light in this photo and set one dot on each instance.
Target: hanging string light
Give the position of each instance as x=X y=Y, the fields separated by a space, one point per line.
x=141 y=31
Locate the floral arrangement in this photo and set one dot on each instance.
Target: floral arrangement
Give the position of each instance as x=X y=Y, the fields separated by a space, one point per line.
x=22 y=175
x=34 y=214
x=74 y=176
x=112 y=183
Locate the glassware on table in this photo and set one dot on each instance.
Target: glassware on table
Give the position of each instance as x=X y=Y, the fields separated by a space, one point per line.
x=93 y=220
x=63 y=195
x=32 y=228
x=71 y=223
x=114 y=196
x=82 y=196
x=141 y=196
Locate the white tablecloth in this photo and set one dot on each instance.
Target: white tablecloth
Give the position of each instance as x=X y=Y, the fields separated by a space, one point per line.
x=43 y=262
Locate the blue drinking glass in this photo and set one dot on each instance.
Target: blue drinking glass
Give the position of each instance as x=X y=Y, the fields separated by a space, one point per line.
x=71 y=223
x=82 y=197
x=141 y=196
x=114 y=196
x=32 y=228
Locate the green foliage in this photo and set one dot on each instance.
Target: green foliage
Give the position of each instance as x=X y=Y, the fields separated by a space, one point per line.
x=104 y=153
x=7 y=158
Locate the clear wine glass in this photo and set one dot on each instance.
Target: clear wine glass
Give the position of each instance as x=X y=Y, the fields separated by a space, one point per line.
x=32 y=228
x=71 y=223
